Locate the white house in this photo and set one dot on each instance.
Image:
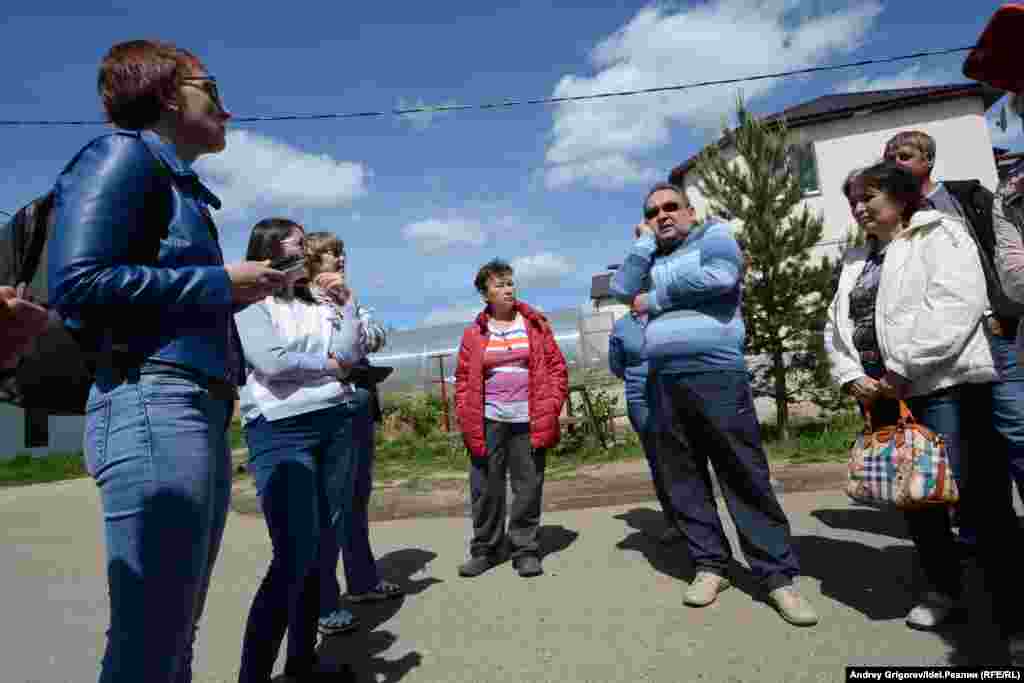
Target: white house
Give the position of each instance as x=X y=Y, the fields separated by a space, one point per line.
x=836 y=134
x=38 y=434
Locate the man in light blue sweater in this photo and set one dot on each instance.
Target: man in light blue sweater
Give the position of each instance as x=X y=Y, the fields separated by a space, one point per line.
x=694 y=344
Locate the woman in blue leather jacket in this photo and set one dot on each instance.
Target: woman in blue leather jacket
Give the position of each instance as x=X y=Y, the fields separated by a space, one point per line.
x=136 y=272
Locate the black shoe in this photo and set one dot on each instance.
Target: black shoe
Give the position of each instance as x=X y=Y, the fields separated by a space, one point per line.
x=478 y=565
x=528 y=565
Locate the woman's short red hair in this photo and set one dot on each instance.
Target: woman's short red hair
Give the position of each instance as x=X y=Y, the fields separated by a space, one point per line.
x=138 y=77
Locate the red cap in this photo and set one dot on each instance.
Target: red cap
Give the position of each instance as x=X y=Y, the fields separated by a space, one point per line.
x=997 y=58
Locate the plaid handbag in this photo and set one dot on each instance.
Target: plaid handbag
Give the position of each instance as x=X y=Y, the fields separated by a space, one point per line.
x=904 y=465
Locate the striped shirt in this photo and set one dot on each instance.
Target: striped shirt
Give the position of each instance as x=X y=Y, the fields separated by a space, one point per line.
x=507 y=373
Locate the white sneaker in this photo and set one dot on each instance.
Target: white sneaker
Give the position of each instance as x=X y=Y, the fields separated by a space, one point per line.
x=793 y=607
x=705 y=588
x=933 y=610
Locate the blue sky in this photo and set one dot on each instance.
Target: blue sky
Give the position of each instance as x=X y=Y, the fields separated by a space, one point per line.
x=422 y=201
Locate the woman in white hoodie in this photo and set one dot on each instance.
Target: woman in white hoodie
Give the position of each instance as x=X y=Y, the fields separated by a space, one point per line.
x=906 y=323
x=306 y=427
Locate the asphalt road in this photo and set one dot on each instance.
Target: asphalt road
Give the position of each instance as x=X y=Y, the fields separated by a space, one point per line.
x=608 y=608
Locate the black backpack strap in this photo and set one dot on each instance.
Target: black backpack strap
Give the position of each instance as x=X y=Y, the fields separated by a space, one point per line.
x=40 y=220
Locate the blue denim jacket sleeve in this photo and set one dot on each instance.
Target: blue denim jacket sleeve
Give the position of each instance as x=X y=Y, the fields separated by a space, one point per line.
x=630 y=279
x=104 y=212
x=268 y=353
x=714 y=271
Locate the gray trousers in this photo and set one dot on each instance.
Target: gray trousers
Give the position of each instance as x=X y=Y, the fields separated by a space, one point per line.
x=508 y=452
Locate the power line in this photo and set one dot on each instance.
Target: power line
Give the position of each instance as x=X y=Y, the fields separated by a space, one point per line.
x=431 y=109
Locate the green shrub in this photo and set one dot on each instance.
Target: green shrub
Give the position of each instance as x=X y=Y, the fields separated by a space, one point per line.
x=423 y=412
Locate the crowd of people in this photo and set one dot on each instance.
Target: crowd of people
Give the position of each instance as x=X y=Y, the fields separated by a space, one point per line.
x=927 y=313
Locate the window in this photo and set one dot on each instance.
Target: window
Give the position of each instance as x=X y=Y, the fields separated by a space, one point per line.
x=805 y=165
x=37 y=428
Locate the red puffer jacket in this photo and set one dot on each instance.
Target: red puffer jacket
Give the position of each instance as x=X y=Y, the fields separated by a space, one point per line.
x=549 y=382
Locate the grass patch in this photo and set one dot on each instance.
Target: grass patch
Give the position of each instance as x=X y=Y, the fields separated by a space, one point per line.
x=414 y=457
x=25 y=469
x=814 y=442
x=235 y=436
x=564 y=464
x=411 y=456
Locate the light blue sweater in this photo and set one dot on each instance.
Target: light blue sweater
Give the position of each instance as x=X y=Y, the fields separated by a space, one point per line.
x=626 y=357
x=696 y=323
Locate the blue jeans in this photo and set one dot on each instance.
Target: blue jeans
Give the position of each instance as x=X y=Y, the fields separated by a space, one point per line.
x=350 y=536
x=157 y=447
x=302 y=467
x=992 y=477
x=1008 y=404
x=709 y=416
x=640 y=418
x=930 y=528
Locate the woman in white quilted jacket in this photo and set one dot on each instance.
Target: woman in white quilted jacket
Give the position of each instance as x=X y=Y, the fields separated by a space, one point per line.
x=906 y=323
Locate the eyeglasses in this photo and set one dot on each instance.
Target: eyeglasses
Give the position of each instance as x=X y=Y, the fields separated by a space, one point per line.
x=208 y=84
x=668 y=207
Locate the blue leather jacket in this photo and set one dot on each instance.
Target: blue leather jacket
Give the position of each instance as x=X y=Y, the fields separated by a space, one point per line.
x=134 y=263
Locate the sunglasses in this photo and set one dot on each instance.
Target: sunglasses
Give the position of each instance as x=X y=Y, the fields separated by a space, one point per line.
x=668 y=207
x=208 y=84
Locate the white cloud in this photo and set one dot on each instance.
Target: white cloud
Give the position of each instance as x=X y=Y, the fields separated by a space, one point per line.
x=544 y=268
x=258 y=171
x=434 y=234
x=603 y=143
x=463 y=313
x=912 y=77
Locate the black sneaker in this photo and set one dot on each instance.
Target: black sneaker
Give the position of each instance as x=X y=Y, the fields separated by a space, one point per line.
x=477 y=565
x=528 y=565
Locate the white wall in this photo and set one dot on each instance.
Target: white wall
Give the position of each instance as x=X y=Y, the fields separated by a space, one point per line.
x=963 y=151
x=65 y=433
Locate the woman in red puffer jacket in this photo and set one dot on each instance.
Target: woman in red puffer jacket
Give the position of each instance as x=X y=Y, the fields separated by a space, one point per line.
x=510 y=384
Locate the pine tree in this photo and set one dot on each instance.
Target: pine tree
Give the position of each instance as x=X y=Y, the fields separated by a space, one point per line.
x=785 y=294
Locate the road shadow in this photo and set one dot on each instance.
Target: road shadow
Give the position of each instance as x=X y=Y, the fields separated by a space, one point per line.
x=866 y=519
x=362 y=650
x=974 y=639
x=877 y=582
x=673 y=560
x=554 y=538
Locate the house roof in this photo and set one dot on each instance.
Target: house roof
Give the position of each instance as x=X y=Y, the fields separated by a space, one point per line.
x=600 y=286
x=846 y=105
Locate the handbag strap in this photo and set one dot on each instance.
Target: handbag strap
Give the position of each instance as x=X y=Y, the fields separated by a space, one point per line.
x=906 y=417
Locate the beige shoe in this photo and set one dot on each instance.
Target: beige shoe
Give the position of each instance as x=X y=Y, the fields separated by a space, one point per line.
x=793 y=607
x=704 y=589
